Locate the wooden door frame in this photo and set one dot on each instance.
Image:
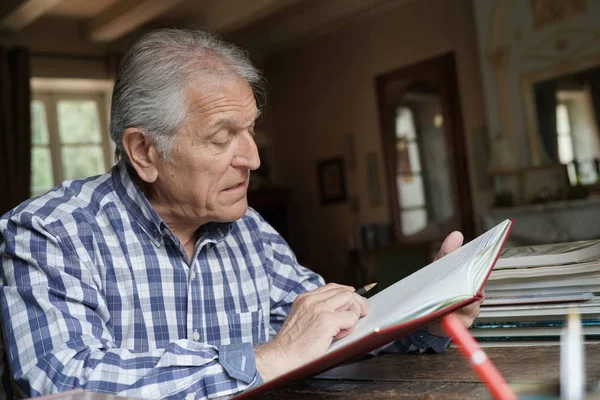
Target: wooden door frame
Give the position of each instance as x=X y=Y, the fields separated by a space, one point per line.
x=455 y=138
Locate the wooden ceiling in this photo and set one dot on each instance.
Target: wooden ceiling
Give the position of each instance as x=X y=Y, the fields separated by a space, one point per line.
x=261 y=26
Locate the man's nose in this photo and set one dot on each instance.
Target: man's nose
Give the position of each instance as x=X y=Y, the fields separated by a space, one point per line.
x=247 y=156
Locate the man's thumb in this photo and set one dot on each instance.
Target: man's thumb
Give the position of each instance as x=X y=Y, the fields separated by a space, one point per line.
x=451 y=243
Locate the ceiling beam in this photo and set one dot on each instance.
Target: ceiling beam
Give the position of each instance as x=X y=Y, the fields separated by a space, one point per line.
x=225 y=16
x=17 y=14
x=124 y=17
x=309 y=23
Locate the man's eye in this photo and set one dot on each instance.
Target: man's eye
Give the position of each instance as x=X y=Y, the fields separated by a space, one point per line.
x=221 y=139
x=220 y=143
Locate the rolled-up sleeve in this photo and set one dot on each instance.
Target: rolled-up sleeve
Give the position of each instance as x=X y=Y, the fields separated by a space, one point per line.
x=239 y=362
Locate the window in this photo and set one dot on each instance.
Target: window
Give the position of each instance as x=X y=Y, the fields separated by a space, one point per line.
x=563 y=128
x=565 y=141
x=577 y=135
x=69 y=124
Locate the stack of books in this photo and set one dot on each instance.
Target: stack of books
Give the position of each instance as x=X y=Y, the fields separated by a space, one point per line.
x=531 y=290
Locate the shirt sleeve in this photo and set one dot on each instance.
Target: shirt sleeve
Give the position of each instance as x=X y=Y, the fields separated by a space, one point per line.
x=288 y=278
x=58 y=335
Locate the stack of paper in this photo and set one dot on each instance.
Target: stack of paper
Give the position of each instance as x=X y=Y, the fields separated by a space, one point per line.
x=530 y=290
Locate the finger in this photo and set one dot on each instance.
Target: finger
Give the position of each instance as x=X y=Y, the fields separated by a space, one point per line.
x=467 y=320
x=354 y=307
x=330 y=286
x=346 y=301
x=314 y=297
x=476 y=304
x=321 y=293
x=361 y=305
x=471 y=307
x=343 y=323
x=452 y=242
x=343 y=333
x=468 y=314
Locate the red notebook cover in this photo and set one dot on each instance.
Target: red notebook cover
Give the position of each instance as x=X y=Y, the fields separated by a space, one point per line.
x=369 y=343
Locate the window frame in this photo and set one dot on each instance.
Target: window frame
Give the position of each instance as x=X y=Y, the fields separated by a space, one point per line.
x=49 y=92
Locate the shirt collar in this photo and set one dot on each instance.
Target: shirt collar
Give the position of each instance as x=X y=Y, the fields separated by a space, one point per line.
x=150 y=222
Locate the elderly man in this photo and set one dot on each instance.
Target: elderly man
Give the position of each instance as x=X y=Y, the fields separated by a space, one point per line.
x=156 y=280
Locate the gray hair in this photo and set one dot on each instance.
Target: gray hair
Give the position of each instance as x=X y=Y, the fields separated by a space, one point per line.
x=150 y=89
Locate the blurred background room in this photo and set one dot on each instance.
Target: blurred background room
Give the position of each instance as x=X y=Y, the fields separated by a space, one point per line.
x=388 y=123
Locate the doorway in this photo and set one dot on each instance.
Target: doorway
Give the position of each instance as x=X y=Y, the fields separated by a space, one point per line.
x=424 y=151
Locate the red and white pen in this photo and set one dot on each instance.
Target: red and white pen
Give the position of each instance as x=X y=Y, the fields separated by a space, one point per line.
x=480 y=362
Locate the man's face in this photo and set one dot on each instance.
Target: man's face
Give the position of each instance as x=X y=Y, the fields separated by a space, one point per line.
x=212 y=156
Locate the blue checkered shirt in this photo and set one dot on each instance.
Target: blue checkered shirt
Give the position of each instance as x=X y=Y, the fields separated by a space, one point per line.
x=97 y=292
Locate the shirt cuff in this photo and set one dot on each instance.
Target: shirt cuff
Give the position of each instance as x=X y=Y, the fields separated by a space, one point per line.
x=424 y=340
x=239 y=362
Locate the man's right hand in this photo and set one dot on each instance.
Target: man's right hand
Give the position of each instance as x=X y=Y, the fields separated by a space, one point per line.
x=315 y=320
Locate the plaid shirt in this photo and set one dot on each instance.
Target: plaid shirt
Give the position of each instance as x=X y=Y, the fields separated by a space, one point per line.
x=97 y=292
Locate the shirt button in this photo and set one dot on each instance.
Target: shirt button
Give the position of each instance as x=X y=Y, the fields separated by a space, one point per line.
x=193 y=275
x=196 y=337
x=189 y=396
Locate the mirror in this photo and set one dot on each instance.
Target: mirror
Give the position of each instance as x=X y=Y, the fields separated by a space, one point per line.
x=568 y=112
x=565 y=111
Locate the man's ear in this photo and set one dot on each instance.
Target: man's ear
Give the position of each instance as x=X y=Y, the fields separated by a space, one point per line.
x=142 y=154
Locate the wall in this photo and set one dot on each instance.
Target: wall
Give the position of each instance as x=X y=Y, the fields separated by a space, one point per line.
x=325 y=89
x=513 y=53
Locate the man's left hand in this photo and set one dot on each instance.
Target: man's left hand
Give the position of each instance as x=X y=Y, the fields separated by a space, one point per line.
x=468 y=313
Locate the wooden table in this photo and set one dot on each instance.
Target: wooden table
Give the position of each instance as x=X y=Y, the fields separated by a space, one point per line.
x=438 y=376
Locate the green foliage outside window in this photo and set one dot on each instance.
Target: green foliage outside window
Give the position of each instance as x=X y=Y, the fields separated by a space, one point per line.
x=80 y=143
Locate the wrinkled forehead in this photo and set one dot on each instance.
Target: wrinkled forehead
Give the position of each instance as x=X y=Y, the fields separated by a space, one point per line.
x=212 y=72
x=221 y=96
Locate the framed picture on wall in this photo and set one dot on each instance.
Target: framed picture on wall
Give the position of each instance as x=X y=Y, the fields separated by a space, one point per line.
x=330 y=174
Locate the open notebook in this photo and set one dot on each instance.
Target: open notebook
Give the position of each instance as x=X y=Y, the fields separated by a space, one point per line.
x=413 y=302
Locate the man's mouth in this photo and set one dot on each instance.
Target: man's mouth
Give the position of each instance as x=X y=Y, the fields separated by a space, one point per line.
x=237 y=186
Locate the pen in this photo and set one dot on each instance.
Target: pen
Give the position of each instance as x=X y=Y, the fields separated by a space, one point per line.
x=572 y=362
x=480 y=362
x=362 y=290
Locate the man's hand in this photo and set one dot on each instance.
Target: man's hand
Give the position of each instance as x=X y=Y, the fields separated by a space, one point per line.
x=315 y=320
x=468 y=313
